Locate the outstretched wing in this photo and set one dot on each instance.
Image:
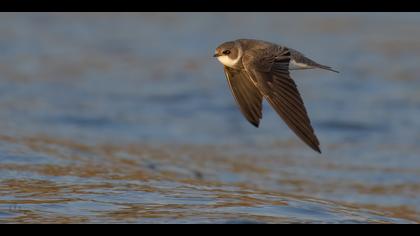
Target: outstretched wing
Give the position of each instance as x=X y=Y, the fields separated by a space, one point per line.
x=246 y=94
x=270 y=69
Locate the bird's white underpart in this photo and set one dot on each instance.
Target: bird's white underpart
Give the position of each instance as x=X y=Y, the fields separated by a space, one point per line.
x=293 y=65
x=225 y=60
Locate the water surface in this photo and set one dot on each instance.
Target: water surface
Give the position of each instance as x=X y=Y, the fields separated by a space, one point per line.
x=127 y=118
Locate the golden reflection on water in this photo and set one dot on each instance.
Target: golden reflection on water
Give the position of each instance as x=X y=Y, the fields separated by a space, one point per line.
x=143 y=183
x=113 y=90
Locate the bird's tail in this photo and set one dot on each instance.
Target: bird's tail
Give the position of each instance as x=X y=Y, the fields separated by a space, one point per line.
x=326 y=68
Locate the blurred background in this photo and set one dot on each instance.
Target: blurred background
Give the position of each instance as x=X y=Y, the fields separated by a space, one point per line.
x=127 y=117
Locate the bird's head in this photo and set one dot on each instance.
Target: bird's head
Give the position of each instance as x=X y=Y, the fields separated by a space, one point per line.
x=228 y=53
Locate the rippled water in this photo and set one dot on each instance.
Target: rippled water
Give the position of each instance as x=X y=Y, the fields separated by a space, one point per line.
x=126 y=117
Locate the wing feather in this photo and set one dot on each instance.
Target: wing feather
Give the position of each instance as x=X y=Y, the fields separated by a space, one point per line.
x=269 y=67
x=247 y=96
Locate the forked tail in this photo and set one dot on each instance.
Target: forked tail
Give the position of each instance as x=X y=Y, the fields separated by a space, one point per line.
x=326 y=68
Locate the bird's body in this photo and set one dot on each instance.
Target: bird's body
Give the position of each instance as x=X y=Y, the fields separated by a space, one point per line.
x=257 y=69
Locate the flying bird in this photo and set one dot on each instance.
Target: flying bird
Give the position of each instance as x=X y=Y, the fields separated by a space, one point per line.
x=257 y=69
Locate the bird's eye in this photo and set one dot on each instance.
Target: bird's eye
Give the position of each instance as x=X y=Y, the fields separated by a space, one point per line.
x=226 y=52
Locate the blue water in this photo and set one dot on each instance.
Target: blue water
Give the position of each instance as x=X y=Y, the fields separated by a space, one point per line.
x=127 y=117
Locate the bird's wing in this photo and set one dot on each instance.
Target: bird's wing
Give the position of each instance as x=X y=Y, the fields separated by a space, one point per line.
x=246 y=94
x=270 y=69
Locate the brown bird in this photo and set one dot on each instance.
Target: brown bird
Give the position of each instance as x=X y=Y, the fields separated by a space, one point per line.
x=257 y=69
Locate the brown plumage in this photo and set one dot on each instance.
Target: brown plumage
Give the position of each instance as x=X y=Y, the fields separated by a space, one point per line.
x=257 y=69
x=246 y=95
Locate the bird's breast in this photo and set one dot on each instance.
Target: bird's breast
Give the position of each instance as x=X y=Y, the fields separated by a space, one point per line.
x=227 y=61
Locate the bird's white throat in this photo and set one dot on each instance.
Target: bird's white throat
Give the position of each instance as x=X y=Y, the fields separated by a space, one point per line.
x=225 y=60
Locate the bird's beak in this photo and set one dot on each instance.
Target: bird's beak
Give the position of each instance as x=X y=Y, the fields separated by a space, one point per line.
x=216 y=55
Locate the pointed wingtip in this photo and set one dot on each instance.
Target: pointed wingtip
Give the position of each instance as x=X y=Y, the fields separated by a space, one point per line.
x=315 y=147
x=331 y=69
x=256 y=124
